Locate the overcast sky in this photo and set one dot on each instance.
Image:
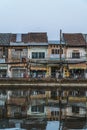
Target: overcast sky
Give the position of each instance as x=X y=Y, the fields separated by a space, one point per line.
x=22 y=16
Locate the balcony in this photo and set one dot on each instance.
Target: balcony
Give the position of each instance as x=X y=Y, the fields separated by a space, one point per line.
x=75 y=60
x=17 y=57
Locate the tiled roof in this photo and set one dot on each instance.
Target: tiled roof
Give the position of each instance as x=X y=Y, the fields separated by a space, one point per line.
x=13 y=38
x=38 y=37
x=31 y=37
x=74 y=39
x=25 y=38
x=5 y=38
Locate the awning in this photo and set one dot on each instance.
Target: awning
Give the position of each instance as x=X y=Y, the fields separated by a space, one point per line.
x=3 y=67
x=38 y=68
x=77 y=66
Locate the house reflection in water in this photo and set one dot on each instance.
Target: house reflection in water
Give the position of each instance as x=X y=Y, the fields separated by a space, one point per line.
x=4 y=123
x=40 y=124
x=35 y=124
x=75 y=117
x=76 y=110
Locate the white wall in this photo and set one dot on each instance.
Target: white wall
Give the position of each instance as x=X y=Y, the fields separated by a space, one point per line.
x=57 y=56
x=37 y=49
x=70 y=50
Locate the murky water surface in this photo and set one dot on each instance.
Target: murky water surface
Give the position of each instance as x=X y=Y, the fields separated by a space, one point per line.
x=47 y=125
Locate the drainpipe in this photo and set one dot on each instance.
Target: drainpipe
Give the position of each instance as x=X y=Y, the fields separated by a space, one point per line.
x=60 y=52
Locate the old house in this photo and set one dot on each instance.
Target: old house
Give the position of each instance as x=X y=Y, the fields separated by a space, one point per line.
x=16 y=107
x=16 y=53
x=75 y=54
x=56 y=52
x=38 y=52
x=4 y=45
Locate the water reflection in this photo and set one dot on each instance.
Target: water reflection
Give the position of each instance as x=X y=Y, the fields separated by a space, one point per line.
x=52 y=125
x=43 y=125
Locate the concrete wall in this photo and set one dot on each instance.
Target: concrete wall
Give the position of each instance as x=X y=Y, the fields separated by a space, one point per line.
x=37 y=49
x=79 y=49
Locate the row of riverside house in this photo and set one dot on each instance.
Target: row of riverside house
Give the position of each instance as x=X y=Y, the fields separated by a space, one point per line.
x=31 y=54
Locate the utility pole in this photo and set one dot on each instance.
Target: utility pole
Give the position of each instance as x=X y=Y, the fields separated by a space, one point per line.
x=60 y=44
x=29 y=67
x=60 y=91
x=86 y=75
x=60 y=53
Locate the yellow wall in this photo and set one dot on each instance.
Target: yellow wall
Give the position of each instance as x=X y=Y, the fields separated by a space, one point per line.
x=66 y=72
x=48 y=73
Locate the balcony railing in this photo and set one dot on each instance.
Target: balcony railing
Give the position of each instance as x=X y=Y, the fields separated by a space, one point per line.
x=75 y=59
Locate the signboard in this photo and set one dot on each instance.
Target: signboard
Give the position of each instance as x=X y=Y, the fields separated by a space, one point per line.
x=77 y=66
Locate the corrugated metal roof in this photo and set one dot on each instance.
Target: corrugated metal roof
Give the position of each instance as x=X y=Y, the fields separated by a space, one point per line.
x=55 y=42
x=28 y=44
x=38 y=44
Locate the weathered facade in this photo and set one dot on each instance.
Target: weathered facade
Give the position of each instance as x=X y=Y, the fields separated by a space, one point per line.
x=16 y=53
x=37 y=52
x=4 y=45
x=31 y=54
x=75 y=54
x=56 y=52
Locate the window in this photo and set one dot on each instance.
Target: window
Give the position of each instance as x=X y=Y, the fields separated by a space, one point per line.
x=75 y=109
x=56 y=51
x=41 y=55
x=38 y=55
x=37 y=108
x=34 y=55
x=54 y=113
x=75 y=55
x=53 y=52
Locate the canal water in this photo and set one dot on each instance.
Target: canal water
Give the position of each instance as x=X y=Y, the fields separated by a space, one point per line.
x=48 y=125
x=54 y=125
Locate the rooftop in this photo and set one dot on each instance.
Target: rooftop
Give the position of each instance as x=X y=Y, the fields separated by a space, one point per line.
x=55 y=42
x=5 y=38
x=74 y=39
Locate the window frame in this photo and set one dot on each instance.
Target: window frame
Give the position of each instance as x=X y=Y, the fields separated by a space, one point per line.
x=76 y=55
x=38 y=55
